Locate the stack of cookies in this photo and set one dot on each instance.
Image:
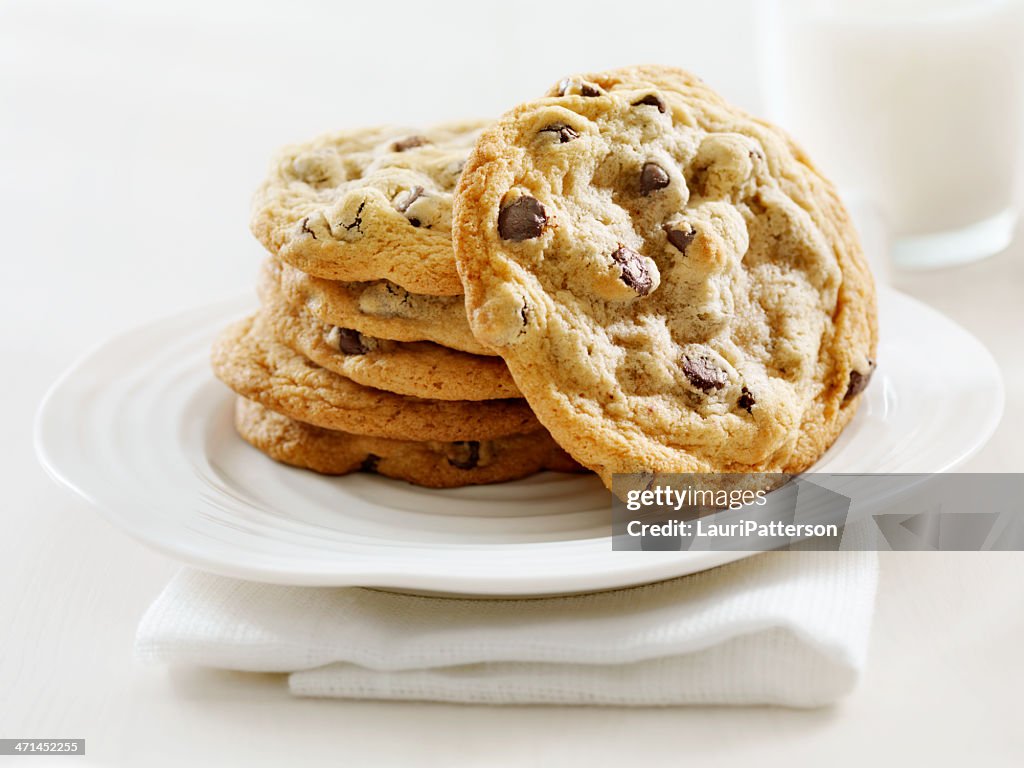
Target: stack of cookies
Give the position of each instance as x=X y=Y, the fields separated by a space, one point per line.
x=361 y=356
x=627 y=268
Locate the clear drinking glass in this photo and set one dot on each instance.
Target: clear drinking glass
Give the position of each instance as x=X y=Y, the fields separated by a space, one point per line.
x=913 y=104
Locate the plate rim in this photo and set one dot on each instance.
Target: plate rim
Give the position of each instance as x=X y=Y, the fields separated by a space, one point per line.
x=631 y=571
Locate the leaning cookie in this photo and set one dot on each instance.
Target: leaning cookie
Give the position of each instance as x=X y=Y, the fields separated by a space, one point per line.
x=368 y=204
x=378 y=308
x=672 y=283
x=416 y=368
x=431 y=464
x=248 y=358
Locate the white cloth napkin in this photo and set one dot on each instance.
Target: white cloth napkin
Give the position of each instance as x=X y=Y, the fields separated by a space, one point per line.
x=785 y=628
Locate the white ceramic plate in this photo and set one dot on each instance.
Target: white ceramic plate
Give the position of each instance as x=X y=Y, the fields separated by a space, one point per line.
x=142 y=430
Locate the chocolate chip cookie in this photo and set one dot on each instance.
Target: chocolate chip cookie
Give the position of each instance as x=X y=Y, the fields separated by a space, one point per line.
x=673 y=284
x=417 y=368
x=432 y=464
x=248 y=358
x=368 y=204
x=378 y=308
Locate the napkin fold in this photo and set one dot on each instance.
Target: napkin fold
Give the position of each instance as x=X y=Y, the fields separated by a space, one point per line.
x=787 y=628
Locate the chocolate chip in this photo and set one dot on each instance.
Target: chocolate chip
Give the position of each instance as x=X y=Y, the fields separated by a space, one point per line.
x=679 y=238
x=465 y=454
x=565 y=132
x=859 y=381
x=357 y=222
x=634 y=270
x=746 y=400
x=703 y=375
x=586 y=89
x=307 y=230
x=523 y=219
x=350 y=342
x=410 y=142
x=370 y=463
x=406 y=199
x=402 y=204
x=652 y=178
x=651 y=100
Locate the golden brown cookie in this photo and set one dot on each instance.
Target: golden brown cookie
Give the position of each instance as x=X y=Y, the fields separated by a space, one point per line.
x=673 y=284
x=368 y=204
x=248 y=358
x=431 y=464
x=416 y=368
x=378 y=308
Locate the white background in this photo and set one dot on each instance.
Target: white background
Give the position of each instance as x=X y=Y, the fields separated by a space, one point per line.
x=131 y=137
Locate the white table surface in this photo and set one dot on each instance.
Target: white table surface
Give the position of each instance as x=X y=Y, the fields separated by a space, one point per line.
x=130 y=139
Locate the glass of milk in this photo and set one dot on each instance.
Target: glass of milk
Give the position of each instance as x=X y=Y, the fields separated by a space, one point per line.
x=915 y=105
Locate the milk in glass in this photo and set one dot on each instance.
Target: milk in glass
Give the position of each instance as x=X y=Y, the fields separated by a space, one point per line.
x=915 y=104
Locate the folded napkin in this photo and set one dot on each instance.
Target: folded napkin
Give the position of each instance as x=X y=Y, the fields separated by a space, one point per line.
x=785 y=628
